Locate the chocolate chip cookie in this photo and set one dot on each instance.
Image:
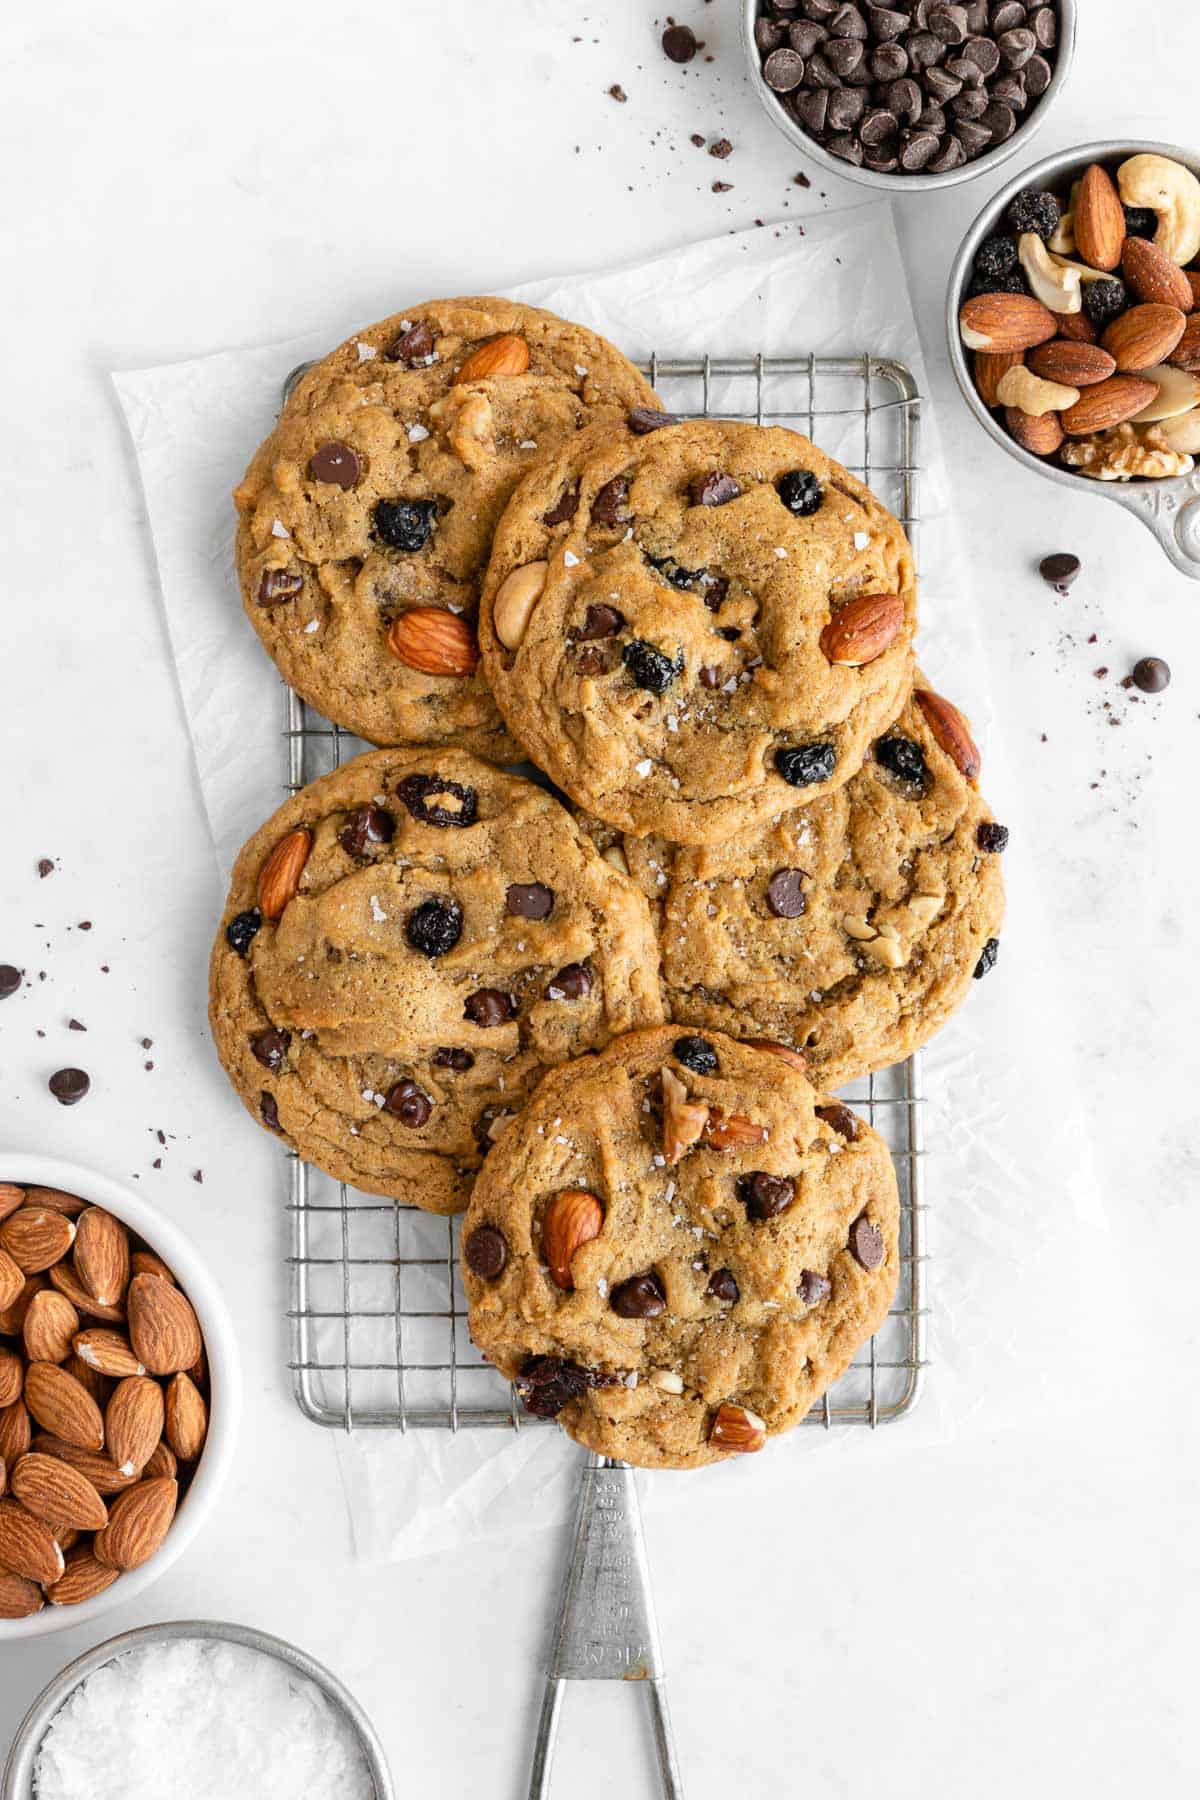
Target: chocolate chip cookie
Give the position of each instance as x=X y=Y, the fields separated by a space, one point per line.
x=678 y=1246
x=366 y=517
x=407 y=945
x=851 y=928
x=693 y=627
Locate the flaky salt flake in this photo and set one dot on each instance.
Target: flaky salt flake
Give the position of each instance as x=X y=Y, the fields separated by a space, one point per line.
x=660 y=1162
x=861 y=539
x=570 y=560
x=416 y=434
x=602 y=1288
x=579 y=369
x=527 y=444
x=780 y=551
x=377 y=912
x=644 y=767
x=672 y=722
x=366 y=352
x=279 y=529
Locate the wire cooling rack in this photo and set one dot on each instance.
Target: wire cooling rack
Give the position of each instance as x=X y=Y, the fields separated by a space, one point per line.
x=378 y=1315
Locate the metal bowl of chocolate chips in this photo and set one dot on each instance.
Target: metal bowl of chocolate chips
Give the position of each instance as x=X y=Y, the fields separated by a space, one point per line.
x=904 y=94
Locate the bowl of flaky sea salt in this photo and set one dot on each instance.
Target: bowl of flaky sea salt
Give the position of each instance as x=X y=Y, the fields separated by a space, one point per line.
x=196 y=1711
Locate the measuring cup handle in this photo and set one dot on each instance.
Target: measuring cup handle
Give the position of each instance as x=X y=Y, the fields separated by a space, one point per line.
x=1171 y=510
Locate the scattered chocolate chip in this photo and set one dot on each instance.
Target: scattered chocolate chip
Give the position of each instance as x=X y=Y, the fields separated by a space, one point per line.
x=765 y=1196
x=564 y=508
x=1059 y=570
x=617 y=92
x=866 y=1243
x=679 y=43
x=277 y=585
x=198 y=1174
x=84 y=925
x=800 y=491
x=366 y=825
x=10 y=980
x=650 y=667
x=721 y=149
x=241 y=931
x=611 y=505
x=722 y=187
x=45 y=867
x=157 y=1163
x=335 y=463
x=804 y=764
x=785 y=893
x=723 y=1286
x=713 y=490
x=408 y=1103
x=434 y=927
x=416 y=791
x=269 y=1112
x=270 y=1048
x=992 y=838
x=1151 y=674
x=485 y=1252
x=529 y=900
x=600 y=621
x=902 y=758
x=644 y=419
x=572 y=983
x=404 y=524
x=987 y=958
x=697 y=137
x=840 y=1119
x=641 y=1297
x=696 y=1054
x=489 y=1007
x=147 y=1043
x=547 y=1383
x=448 y=1057
x=69 y=1085
x=413 y=346
x=813 y=1287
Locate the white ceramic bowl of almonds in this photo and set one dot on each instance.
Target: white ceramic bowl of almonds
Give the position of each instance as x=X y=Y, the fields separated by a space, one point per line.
x=139 y=1331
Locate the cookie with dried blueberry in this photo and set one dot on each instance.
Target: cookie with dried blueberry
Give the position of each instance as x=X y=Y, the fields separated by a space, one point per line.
x=678 y=1246
x=408 y=944
x=715 y=628
x=851 y=928
x=365 y=519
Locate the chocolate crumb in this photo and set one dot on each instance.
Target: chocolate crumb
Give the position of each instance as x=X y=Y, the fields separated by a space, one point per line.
x=722 y=148
x=801 y=179
x=161 y=1136
x=45 y=867
x=157 y=1163
x=698 y=139
x=1101 y=672
x=618 y=92
x=721 y=187
x=76 y=1025
x=198 y=1176
x=85 y=924
x=147 y=1043
x=148 y=1065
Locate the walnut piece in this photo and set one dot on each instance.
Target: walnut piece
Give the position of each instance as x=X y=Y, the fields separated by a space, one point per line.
x=1123 y=453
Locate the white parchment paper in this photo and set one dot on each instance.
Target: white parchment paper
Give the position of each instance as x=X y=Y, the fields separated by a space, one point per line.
x=1022 y=1273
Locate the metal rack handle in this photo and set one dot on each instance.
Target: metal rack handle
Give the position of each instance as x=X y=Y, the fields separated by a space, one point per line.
x=606 y=1629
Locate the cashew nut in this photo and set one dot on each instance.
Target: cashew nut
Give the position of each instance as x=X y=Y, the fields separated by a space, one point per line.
x=1182 y=433
x=1020 y=387
x=515 y=600
x=1178 y=392
x=1084 y=271
x=1172 y=192
x=1062 y=239
x=1054 y=282
x=615 y=857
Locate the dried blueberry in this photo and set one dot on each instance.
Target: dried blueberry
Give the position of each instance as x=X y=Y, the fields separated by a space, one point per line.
x=434 y=927
x=641 y=1297
x=696 y=1054
x=902 y=758
x=408 y=1103
x=992 y=838
x=1140 y=222
x=987 y=958
x=651 y=667
x=366 y=825
x=1035 y=211
x=1103 y=300
x=800 y=492
x=805 y=764
x=241 y=932
x=996 y=256
x=547 y=1383
x=404 y=524
x=1012 y=283
x=416 y=792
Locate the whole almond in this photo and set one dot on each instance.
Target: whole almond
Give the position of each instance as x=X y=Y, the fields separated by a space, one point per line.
x=1140 y=339
x=15 y=1432
x=733 y=1131
x=684 y=1119
x=515 y=600
x=1186 y=354
x=101 y=1255
x=1108 y=403
x=999 y=322
x=35 y=1237
x=572 y=1218
x=133 y=1423
x=58 y=1494
x=783 y=1051
x=862 y=629
x=63 y=1277
x=12 y=1318
x=1193 y=281
x=434 y=641
x=1075 y=365
x=107 y=1352
x=62 y=1406
x=82 y=1579
x=1078 y=327
x=162 y=1462
x=19 y=1598
x=12 y=1281
x=138 y=1521
x=103 y=1474
x=50 y=1325
x=504 y=355
x=1152 y=275
x=91 y=1380
x=162 y=1326
x=186 y=1418
x=57 y=1199
x=11 y=1196
x=950 y=731
x=144 y=1262
x=12 y=1376
x=1099 y=220
x=279 y=877
x=737 y=1429
x=989 y=366
x=27 y=1545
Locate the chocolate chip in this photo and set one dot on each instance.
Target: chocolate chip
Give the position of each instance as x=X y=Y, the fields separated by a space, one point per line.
x=713 y=490
x=489 y=1007
x=416 y=791
x=987 y=958
x=1016 y=47
x=572 y=983
x=812 y=110
x=617 y=92
x=277 y=585
x=848 y=22
x=564 y=508
x=404 y=524
x=765 y=1196
x=547 y=1383
x=889 y=62
x=933 y=119
x=611 y=505
x=1000 y=120
x=450 y=1058
x=269 y=1113
x=844 y=56
x=785 y=893
x=412 y=346
x=696 y=1054
x=1007 y=15
x=1059 y=570
x=591 y=661
x=1038 y=76
x=10 y=980
x=242 y=930
x=951 y=156
x=644 y=419
x=905 y=99
x=434 y=927
x=723 y=1286
x=641 y=1297
x=721 y=149
x=984 y=53
x=840 y=1119
x=949 y=23
x=600 y=621
x=768 y=35
x=917 y=150
x=270 y=1048
x=485 y=1252
x=972 y=137
x=679 y=43
x=366 y=825
x=335 y=463
x=805 y=36
x=1043 y=22
x=1010 y=90
x=924 y=50
x=846 y=108
x=69 y=1085
x=866 y=1243
x=941 y=85
x=805 y=764
x=783 y=71
x=722 y=187
x=879 y=126
x=1151 y=674
x=45 y=867
x=529 y=900
x=814 y=1287
x=408 y=1103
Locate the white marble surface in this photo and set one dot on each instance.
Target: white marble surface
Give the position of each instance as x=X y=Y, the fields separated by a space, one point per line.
x=1008 y=1608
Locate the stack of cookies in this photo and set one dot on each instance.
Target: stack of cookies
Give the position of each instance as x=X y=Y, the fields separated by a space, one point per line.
x=599 y=1003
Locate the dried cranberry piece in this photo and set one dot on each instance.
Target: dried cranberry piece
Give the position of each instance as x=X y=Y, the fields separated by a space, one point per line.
x=547 y=1383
